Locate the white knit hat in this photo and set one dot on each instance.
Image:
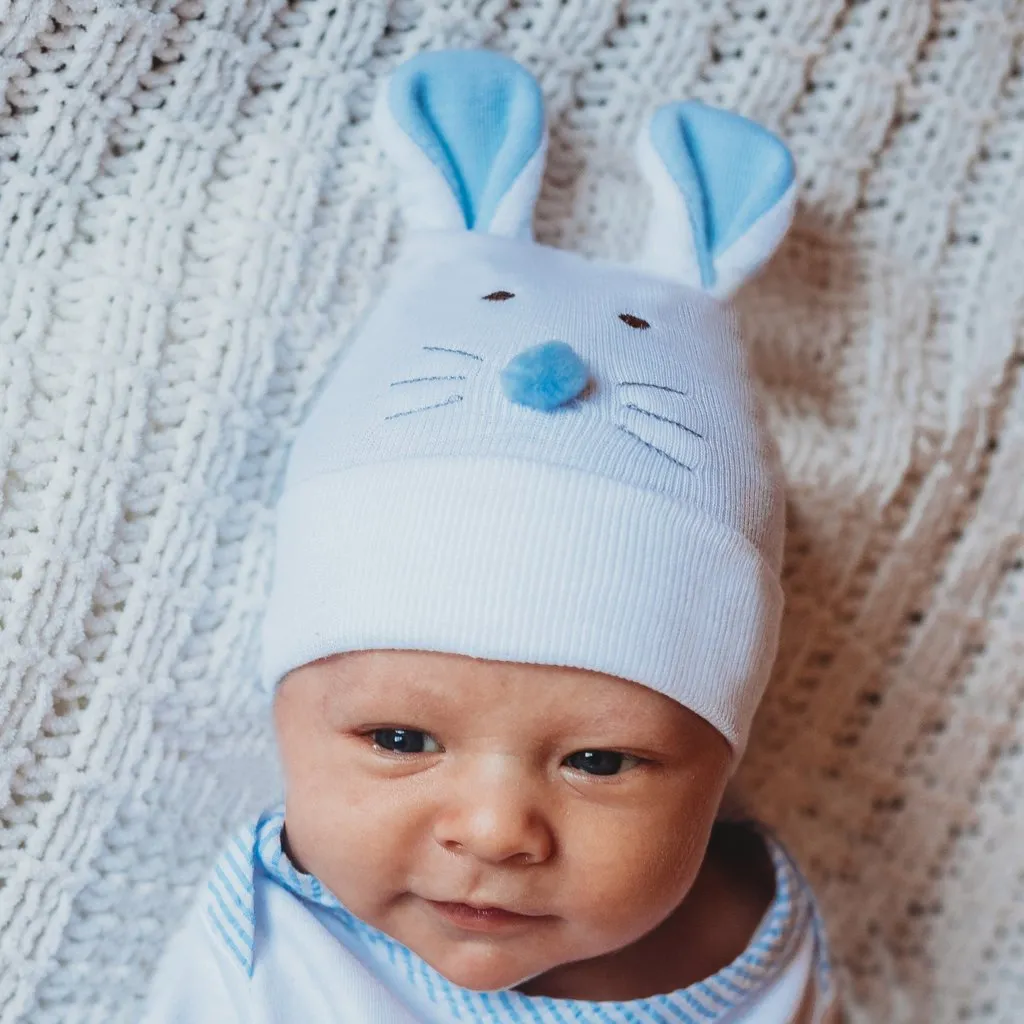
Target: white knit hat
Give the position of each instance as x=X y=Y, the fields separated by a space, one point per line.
x=524 y=455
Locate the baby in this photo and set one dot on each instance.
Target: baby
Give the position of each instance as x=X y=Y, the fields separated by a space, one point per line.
x=525 y=602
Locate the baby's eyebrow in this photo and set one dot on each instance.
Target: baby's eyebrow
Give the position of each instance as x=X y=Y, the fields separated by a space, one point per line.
x=387 y=696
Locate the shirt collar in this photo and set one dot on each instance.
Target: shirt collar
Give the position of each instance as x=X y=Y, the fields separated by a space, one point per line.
x=230 y=914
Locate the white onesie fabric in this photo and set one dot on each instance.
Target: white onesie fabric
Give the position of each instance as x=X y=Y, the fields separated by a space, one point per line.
x=266 y=944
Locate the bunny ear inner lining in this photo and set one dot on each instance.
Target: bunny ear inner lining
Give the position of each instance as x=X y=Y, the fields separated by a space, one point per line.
x=730 y=171
x=477 y=116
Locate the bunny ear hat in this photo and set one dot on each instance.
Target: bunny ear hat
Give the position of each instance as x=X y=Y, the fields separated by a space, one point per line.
x=525 y=455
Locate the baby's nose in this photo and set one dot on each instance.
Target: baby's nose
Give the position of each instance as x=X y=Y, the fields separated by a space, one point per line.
x=544 y=376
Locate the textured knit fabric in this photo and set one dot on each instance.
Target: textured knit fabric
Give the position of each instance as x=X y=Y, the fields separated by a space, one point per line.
x=192 y=214
x=234 y=942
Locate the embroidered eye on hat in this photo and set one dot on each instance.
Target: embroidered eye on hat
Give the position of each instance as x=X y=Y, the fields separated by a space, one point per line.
x=525 y=455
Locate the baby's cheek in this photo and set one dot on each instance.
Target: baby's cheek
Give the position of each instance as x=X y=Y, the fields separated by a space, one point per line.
x=360 y=845
x=312 y=825
x=630 y=882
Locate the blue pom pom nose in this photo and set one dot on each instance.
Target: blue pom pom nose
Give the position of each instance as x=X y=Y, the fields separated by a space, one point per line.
x=544 y=376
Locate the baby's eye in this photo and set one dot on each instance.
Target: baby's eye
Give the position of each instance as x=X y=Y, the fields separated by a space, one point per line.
x=601 y=762
x=405 y=741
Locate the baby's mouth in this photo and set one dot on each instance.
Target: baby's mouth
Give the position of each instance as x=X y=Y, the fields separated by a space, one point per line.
x=483 y=918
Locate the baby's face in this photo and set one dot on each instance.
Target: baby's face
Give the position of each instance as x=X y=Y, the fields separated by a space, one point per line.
x=499 y=819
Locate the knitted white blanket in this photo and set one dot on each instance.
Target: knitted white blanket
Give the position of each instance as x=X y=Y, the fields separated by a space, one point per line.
x=192 y=213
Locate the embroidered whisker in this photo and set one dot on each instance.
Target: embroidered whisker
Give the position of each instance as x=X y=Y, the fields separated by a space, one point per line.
x=664 y=419
x=416 y=380
x=646 y=384
x=457 y=351
x=423 y=408
x=655 y=448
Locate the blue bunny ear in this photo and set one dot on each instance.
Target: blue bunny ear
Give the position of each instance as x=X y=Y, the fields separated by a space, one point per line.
x=724 y=190
x=466 y=131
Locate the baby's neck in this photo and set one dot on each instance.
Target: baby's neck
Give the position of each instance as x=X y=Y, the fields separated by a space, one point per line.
x=706 y=932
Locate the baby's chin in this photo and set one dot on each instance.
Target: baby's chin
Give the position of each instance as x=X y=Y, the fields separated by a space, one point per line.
x=486 y=974
x=484 y=966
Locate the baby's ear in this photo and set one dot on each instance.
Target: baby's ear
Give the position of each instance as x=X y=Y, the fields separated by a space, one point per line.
x=466 y=131
x=724 y=189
